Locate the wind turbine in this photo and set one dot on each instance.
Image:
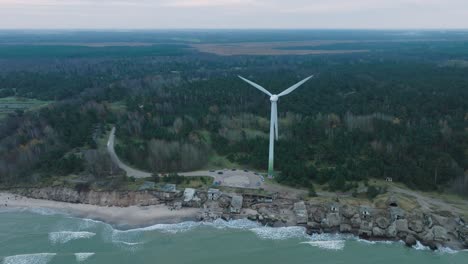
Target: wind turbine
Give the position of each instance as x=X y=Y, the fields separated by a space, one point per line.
x=274 y=116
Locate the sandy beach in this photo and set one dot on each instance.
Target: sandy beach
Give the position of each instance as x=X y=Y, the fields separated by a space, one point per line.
x=132 y=216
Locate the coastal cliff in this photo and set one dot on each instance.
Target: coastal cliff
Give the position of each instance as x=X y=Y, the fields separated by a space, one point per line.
x=384 y=222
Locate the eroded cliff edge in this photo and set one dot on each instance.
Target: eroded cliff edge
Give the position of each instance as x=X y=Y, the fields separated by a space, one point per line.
x=383 y=221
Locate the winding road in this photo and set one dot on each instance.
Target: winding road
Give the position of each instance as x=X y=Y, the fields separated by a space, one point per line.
x=231 y=178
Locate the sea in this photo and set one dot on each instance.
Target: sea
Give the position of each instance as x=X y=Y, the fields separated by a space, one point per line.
x=42 y=237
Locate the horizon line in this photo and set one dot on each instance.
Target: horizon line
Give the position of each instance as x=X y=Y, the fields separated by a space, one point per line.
x=237 y=29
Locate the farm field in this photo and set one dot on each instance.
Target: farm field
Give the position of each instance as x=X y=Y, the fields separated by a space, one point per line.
x=10 y=105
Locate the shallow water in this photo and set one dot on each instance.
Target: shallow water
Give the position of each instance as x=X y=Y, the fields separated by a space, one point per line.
x=43 y=237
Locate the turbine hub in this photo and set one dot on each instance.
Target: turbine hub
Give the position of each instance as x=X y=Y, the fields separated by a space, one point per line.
x=274 y=98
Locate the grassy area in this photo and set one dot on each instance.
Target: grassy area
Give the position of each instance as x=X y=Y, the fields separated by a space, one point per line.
x=198 y=182
x=9 y=105
x=218 y=162
x=119 y=107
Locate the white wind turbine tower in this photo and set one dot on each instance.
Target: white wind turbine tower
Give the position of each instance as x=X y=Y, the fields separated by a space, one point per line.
x=274 y=116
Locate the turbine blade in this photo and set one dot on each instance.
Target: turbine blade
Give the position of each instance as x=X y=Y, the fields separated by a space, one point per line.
x=276 y=124
x=255 y=85
x=294 y=87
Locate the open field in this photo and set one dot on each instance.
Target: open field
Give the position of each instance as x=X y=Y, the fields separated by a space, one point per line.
x=11 y=104
x=274 y=48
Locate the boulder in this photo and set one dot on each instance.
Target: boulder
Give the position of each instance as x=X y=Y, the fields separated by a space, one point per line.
x=252 y=217
x=313 y=225
x=410 y=240
x=427 y=220
x=348 y=211
x=401 y=225
x=462 y=234
x=356 y=221
x=317 y=214
x=334 y=219
x=440 y=234
x=426 y=237
x=345 y=228
x=382 y=222
x=366 y=225
x=365 y=233
x=391 y=230
x=378 y=232
x=416 y=225
x=224 y=201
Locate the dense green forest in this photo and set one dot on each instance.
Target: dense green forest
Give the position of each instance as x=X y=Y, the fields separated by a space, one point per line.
x=399 y=110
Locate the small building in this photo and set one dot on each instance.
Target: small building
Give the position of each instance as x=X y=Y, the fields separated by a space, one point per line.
x=213 y=194
x=189 y=193
x=389 y=179
x=236 y=204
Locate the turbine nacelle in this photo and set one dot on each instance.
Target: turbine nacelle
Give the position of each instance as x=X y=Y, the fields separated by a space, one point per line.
x=274 y=98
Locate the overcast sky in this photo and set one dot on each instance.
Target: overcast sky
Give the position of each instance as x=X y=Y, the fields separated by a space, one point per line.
x=160 y=14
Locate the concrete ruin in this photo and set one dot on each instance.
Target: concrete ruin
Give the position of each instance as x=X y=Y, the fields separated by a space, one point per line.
x=236 y=204
x=213 y=194
x=300 y=211
x=189 y=194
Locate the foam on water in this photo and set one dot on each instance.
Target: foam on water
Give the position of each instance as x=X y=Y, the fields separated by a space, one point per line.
x=329 y=241
x=40 y=211
x=280 y=233
x=375 y=242
x=127 y=243
x=420 y=246
x=39 y=258
x=166 y=228
x=329 y=245
x=446 y=250
x=233 y=224
x=66 y=236
x=80 y=257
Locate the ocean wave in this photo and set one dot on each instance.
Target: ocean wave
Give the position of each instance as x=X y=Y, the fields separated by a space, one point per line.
x=327 y=244
x=80 y=257
x=375 y=242
x=331 y=236
x=233 y=224
x=329 y=241
x=39 y=258
x=38 y=210
x=280 y=233
x=440 y=250
x=128 y=243
x=446 y=250
x=66 y=236
x=420 y=246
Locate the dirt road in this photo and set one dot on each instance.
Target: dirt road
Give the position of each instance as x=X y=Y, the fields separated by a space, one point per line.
x=231 y=178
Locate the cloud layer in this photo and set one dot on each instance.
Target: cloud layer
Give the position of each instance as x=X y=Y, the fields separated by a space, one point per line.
x=233 y=14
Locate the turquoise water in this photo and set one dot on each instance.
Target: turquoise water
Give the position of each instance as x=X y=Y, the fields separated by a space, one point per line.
x=40 y=238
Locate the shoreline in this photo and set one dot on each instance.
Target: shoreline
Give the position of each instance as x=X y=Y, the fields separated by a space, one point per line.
x=122 y=217
x=146 y=215
x=55 y=210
